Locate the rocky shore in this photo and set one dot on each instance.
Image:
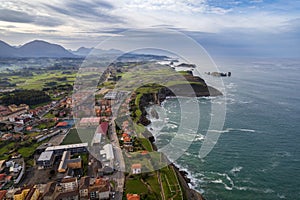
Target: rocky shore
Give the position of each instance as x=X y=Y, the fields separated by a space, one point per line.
x=200 y=90
x=182 y=175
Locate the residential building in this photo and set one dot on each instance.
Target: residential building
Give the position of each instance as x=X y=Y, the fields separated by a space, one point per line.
x=84 y=187
x=136 y=168
x=3 y=194
x=27 y=193
x=133 y=197
x=100 y=189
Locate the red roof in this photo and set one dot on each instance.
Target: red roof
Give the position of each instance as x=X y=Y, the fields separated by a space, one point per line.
x=62 y=124
x=136 y=166
x=127 y=139
x=133 y=197
x=102 y=128
x=2 y=194
x=144 y=152
x=2 y=176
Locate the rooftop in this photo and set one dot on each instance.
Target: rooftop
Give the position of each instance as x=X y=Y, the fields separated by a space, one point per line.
x=133 y=197
x=111 y=95
x=69 y=146
x=102 y=128
x=46 y=155
x=136 y=166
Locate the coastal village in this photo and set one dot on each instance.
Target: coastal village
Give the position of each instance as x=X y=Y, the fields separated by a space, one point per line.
x=48 y=152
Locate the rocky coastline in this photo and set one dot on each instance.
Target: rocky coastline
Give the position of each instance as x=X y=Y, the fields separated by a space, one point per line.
x=182 y=175
x=147 y=99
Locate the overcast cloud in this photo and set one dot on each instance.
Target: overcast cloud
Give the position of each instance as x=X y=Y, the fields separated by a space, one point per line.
x=216 y=24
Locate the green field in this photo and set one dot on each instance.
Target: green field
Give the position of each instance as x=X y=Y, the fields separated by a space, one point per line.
x=38 y=81
x=72 y=137
x=79 y=135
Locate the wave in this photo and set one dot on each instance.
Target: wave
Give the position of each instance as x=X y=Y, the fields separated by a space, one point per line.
x=281 y=196
x=236 y=169
x=227 y=130
x=199 y=138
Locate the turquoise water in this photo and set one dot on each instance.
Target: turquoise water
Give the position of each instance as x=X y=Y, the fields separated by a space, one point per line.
x=258 y=153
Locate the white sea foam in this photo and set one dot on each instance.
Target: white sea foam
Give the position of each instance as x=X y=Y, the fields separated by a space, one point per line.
x=246 y=130
x=172 y=126
x=281 y=196
x=217 y=181
x=236 y=169
x=227 y=130
x=199 y=138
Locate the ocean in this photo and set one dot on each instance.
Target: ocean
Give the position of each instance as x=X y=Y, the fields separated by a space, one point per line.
x=257 y=155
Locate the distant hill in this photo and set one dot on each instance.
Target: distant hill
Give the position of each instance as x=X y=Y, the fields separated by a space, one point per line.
x=39 y=48
x=36 y=48
x=82 y=51
x=6 y=50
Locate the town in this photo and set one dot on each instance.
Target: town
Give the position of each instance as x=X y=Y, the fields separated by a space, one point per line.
x=50 y=151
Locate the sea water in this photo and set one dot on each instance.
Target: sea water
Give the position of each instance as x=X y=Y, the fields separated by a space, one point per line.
x=258 y=153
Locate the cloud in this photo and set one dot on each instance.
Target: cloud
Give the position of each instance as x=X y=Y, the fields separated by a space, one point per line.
x=89 y=10
x=7 y=15
x=223 y=24
x=15 y=16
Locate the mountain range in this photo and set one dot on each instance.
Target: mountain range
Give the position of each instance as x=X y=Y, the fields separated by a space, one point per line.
x=39 y=48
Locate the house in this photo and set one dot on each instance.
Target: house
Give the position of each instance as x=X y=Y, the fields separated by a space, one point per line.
x=100 y=189
x=91 y=121
x=133 y=197
x=2 y=194
x=27 y=193
x=4 y=179
x=136 y=168
x=67 y=189
x=4 y=112
x=2 y=165
x=7 y=136
x=33 y=194
x=62 y=124
x=49 y=191
x=84 y=187
x=69 y=184
x=68 y=195
x=15 y=108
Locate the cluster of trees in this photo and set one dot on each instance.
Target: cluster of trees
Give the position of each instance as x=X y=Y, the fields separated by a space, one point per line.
x=65 y=87
x=29 y=97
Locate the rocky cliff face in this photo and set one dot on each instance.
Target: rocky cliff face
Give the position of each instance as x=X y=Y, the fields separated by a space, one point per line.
x=186 y=90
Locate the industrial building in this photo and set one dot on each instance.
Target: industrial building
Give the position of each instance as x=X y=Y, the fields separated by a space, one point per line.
x=107 y=155
x=66 y=162
x=73 y=148
x=46 y=159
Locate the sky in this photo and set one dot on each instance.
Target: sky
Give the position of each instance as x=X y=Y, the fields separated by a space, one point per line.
x=223 y=27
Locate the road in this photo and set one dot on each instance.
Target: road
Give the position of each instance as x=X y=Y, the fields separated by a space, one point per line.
x=119 y=176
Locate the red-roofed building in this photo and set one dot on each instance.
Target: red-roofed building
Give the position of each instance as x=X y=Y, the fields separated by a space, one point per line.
x=133 y=197
x=102 y=128
x=2 y=178
x=144 y=152
x=91 y=121
x=2 y=194
x=62 y=124
x=136 y=168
